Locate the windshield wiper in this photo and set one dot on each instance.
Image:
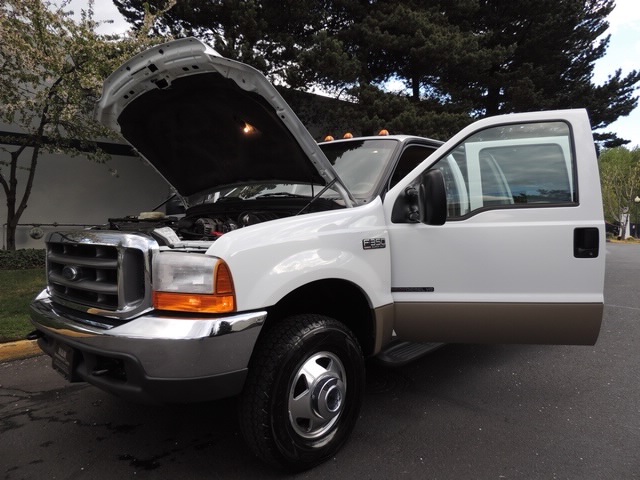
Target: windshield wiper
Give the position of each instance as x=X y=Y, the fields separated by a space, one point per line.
x=282 y=194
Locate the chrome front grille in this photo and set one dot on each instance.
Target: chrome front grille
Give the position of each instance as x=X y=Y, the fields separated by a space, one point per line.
x=100 y=272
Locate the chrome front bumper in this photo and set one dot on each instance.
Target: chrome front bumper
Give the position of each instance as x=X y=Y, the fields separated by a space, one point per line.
x=152 y=358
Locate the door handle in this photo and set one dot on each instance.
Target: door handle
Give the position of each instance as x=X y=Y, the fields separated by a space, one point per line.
x=586 y=242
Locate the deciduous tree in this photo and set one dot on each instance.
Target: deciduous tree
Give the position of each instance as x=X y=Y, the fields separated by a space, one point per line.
x=52 y=67
x=620 y=178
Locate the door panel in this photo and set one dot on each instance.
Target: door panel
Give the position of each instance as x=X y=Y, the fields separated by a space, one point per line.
x=518 y=188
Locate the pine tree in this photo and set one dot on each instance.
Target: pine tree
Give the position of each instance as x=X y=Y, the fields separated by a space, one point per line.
x=550 y=49
x=459 y=59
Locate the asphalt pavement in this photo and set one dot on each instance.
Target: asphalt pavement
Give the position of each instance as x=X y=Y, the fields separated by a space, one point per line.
x=462 y=412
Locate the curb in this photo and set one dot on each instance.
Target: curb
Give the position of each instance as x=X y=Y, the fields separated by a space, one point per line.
x=19 y=350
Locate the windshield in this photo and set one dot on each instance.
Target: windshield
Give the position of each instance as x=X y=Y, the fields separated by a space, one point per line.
x=359 y=163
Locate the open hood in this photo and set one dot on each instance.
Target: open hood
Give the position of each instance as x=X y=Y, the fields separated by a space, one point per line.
x=204 y=121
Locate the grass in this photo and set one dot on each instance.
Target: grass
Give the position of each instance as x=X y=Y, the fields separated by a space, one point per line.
x=17 y=289
x=627 y=240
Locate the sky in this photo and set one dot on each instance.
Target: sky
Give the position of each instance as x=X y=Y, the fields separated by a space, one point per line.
x=623 y=52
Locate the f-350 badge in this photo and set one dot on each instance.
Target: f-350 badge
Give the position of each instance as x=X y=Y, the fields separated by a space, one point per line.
x=371 y=243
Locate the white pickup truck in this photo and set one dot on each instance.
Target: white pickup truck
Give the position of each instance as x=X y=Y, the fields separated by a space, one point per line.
x=295 y=261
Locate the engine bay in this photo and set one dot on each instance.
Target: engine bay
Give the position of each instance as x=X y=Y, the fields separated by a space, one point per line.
x=208 y=222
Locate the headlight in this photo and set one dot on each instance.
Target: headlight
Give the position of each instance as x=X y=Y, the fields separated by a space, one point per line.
x=188 y=282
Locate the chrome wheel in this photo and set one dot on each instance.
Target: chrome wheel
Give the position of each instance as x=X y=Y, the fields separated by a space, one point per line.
x=316 y=396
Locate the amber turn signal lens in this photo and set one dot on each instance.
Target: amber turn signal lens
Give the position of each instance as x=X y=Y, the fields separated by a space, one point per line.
x=188 y=302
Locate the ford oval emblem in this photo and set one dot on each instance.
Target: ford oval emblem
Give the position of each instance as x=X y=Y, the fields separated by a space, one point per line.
x=71 y=273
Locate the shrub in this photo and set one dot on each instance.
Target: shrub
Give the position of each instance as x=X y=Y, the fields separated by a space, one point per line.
x=22 y=259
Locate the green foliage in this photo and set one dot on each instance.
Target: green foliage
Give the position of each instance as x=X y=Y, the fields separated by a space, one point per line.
x=51 y=72
x=457 y=60
x=620 y=179
x=22 y=259
x=551 y=50
x=17 y=290
x=51 y=75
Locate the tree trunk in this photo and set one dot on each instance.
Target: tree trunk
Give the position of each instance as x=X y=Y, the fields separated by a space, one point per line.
x=11 y=236
x=11 y=191
x=415 y=87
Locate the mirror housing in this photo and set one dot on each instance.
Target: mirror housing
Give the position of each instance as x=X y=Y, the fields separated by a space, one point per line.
x=423 y=202
x=433 y=198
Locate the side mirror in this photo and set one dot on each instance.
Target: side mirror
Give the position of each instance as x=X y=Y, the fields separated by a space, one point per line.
x=433 y=196
x=424 y=202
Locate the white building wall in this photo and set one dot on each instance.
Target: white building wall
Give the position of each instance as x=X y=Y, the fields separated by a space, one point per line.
x=74 y=190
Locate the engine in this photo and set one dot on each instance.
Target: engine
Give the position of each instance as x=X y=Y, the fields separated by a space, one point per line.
x=189 y=227
x=208 y=222
x=209 y=228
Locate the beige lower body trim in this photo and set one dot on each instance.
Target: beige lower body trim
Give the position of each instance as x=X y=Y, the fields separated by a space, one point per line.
x=531 y=323
x=384 y=326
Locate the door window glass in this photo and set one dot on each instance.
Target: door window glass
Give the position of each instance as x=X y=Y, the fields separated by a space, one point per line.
x=509 y=167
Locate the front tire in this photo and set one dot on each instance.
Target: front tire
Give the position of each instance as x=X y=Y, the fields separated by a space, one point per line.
x=303 y=392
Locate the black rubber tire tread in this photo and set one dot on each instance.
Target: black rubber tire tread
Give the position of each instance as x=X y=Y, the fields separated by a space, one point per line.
x=266 y=368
